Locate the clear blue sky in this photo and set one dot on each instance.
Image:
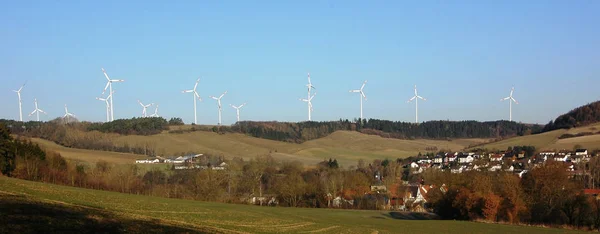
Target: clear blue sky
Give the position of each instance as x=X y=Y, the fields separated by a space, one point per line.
x=463 y=56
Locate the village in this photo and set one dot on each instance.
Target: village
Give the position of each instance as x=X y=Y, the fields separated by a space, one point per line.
x=404 y=193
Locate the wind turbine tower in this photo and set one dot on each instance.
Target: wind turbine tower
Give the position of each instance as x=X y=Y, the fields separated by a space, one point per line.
x=195 y=96
x=219 y=103
x=20 y=108
x=416 y=98
x=37 y=110
x=362 y=96
x=237 y=109
x=67 y=114
x=109 y=85
x=144 y=108
x=309 y=98
x=106 y=100
x=510 y=101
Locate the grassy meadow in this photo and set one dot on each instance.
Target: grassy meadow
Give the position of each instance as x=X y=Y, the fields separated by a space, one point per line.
x=38 y=207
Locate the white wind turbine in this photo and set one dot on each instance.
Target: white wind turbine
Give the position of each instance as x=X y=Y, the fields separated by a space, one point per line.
x=310 y=106
x=219 y=103
x=67 y=114
x=144 y=108
x=37 y=110
x=237 y=109
x=109 y=85
x=362 y=96
x=106 y=100
x=19 y=94
x=155 y=112
x=309 y=97
x=195 y=96
x=416 y=98
x=510 y=101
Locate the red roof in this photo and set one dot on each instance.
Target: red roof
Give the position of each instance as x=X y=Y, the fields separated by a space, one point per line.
x=591 y=191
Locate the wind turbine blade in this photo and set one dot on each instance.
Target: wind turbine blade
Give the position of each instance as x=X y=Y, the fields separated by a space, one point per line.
x=213 y=97
x=363 y=85
x=222 y=94
x=504 y=99
x=140 y=103
x=33 y=112
x=242 y=105
x=117 y=80
x=512 y=90
x=40 y=110
x=312 y=96
x=413 y=98
x=309 y=79
x=514 y=100
x=233 y=106
x=106 y=87
x=105 y=75
x=421 y=97
x=354 y=91
x=197 y=95
x=363 y=95
x=197 y=81
x=187 y=91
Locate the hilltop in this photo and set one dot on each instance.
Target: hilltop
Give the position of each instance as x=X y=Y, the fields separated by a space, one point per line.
x=580 y=116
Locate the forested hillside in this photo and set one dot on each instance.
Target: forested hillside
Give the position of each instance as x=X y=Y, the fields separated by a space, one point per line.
x=580 y=116
x=304 y=131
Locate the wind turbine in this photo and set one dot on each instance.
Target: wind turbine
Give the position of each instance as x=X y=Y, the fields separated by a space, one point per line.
x=362 y=96
x=155 y=112
x=19 y=94
x=510 y=101
x=67 y=114
x=109 y=85
x=237 y=109
x=194 y=97
x=219 y=103
x=144 y=108
x=37 y=110
x=310 y=106
x=416 y=98
x=308 y=97
x=107 y=105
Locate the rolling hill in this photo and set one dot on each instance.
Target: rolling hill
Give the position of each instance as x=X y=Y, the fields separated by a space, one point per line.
x=33 y=207
x=346 y=146
x=550 y=140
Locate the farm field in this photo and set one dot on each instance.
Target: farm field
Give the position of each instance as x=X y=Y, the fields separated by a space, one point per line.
x=550 y=141
x=346 y=146
x=37 y=207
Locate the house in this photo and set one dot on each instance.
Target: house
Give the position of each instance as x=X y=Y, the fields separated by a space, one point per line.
x=521 y=154
x=451 y=157
x=438 y=159
x=547 y=153
x=496 y=158
x=182 y=159
x=378 y=188
x=340 y=202
x=581 y=152
x=147 y=160
x=561 y=158
x=464 y=159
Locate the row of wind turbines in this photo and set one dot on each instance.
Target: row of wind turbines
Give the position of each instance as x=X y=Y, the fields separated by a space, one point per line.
x=362 y=97
x=37 y=110
x=310 y=95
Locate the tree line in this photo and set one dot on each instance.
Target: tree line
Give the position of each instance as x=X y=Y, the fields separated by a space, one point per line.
x=580 y=116
x=304 y=131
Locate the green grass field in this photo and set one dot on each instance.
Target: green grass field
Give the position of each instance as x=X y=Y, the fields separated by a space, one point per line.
x=37 y=207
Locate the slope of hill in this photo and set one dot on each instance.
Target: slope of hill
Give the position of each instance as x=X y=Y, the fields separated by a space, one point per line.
x=580 y=116
x=346 y=146
x=551 y=140
x=53 y=208
x=89 y=156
